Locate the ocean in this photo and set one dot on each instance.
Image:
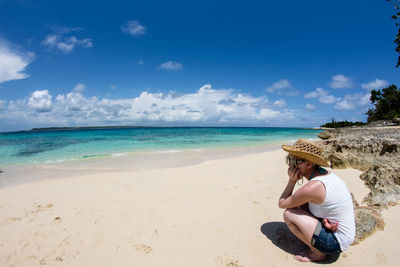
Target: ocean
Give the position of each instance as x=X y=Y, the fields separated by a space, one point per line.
x=52 y=146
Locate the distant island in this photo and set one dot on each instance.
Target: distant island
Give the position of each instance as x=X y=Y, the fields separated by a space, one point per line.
x=338 y=124
x=87 y=128
x=386 y=110
x=138 y=127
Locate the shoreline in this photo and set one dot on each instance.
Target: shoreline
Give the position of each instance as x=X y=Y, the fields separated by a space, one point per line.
x=123 y=162
x=61 y=146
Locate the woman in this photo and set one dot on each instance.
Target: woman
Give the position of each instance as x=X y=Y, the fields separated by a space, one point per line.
x=320 y=213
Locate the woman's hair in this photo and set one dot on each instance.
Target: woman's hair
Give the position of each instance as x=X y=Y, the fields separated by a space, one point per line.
x=290 y=159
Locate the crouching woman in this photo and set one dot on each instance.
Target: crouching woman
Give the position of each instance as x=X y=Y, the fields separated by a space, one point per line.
x=320 y=213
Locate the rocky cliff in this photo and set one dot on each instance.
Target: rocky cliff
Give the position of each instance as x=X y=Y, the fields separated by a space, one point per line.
x=376 y=152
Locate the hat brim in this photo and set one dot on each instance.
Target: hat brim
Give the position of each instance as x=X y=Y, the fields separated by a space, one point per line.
x=305 y=155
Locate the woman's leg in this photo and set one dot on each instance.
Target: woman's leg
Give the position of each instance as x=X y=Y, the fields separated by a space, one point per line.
x=302 y=224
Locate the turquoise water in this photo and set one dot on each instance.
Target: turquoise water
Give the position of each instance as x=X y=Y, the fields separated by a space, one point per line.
x=56 y=146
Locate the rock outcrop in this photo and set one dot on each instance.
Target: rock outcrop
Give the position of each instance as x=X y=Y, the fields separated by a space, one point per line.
x=376 y=152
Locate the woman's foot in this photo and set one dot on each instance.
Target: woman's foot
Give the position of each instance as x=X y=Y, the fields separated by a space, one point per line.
x=310 y=255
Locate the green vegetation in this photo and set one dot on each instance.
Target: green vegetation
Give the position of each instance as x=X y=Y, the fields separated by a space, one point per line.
x=387 y=104
x=386 y=101
x=386 y=107
x=396 y=18
x=337 y=124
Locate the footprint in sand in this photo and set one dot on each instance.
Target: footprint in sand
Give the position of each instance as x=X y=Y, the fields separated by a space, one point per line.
x=381 y=259
x=228 y=261
x=40 y=208
x=143 y=248
x=155 y=233
x=14 y=219
x=10 y=220
x=21 y=250
x=31 y=214
x=64 y=242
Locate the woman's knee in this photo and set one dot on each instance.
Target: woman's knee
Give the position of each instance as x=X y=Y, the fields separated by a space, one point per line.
x=288 y=215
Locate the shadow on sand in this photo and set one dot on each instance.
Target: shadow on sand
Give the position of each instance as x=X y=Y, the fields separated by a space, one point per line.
x=280 y=236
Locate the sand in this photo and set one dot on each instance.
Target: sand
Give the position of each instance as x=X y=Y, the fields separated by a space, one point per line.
x=220 y=212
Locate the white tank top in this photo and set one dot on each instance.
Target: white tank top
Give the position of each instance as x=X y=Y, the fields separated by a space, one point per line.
x=336 y=207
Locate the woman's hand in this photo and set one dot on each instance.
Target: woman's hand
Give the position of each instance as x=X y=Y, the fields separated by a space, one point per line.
x=294 y=174
x=331 y=226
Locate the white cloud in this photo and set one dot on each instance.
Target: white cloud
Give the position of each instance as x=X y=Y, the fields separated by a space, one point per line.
x=13 y=63
x=66 y=30
x=280 y=103
x=310 y=107
x=65 y=44
x=113 y=87
x=134 y=28
x=293 y=93
x=313 y=94
x=86 y=42
x=79 y=88
x=206 y=105
x=51 y=40
x=140 y=62
x=75 y=101
x=171 y=65
x=322 y=96
x=340 y=81
x=281 y=84
x=329 y=99
x=65 y=48
x=365 y=100
x=40 y=101
x=345 y=105
x=374 y=84
x=351 y=102
x=319 y=92
x=2 y=104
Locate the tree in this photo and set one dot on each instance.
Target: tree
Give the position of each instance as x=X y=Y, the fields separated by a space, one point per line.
x=396 y=18
x=338 y=124
x=387 y=104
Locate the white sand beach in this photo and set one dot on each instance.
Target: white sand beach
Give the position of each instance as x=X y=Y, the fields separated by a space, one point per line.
x=220 y=212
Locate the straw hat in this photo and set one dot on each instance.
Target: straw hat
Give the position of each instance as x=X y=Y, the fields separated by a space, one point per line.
x=307 y=150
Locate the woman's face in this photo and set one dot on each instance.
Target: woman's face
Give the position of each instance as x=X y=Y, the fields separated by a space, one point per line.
x=293 y=161
x=299 y=163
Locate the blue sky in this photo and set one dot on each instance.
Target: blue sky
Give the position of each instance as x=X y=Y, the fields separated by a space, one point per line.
x=192 y=63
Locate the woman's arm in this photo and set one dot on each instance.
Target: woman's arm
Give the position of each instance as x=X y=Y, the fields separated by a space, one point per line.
x=302 y=196
x=312 y=191
x=286 y=194
x=294 y=176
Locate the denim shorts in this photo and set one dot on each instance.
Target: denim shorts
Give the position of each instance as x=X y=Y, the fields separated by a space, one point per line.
x=325 y=241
